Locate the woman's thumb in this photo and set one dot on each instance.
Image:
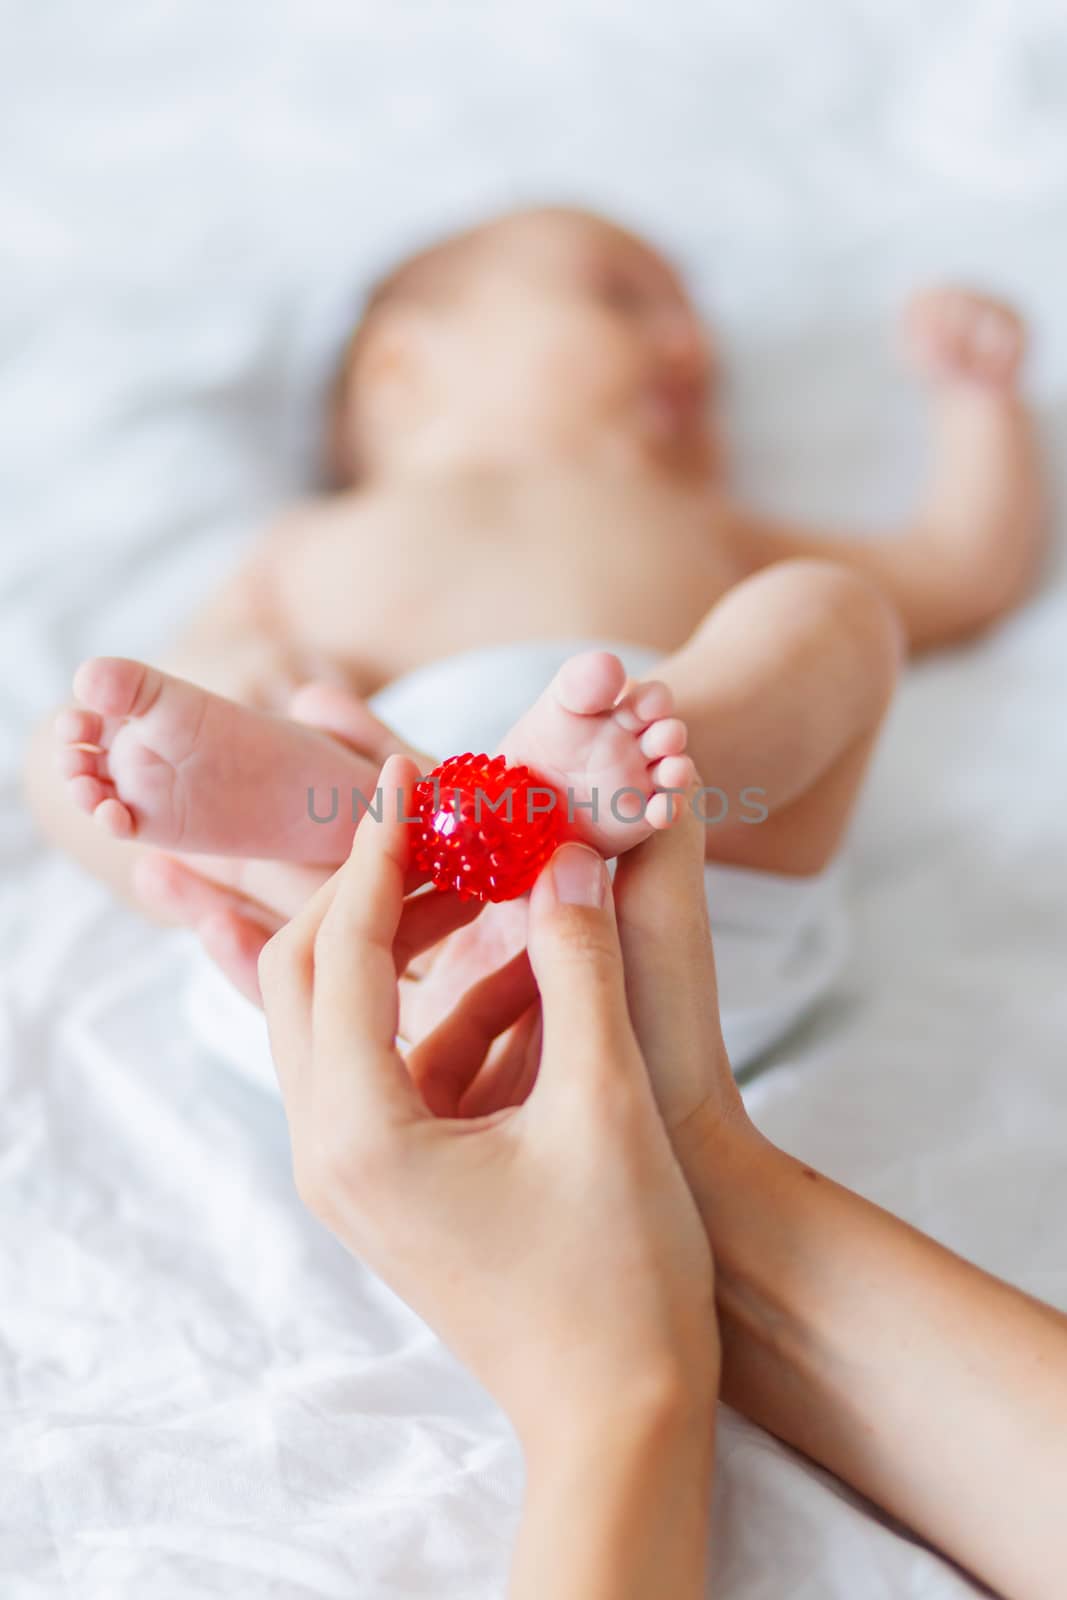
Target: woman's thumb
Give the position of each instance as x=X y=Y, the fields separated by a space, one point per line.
x=574 y=950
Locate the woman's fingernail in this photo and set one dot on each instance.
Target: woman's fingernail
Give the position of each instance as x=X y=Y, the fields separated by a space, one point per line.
x=579 y=875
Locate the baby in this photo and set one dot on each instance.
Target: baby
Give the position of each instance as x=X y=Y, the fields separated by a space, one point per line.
x=522 y=433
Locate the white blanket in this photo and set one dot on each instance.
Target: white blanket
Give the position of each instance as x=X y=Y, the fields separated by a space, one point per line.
x=202 y=1396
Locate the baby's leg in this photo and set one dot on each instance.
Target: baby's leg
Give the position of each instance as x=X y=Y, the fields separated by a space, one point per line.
x=974 y=548
x=783 y=689
x=159 y=760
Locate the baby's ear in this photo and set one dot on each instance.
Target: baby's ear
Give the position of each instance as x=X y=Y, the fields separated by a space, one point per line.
x=397 y=365
x=389 y=355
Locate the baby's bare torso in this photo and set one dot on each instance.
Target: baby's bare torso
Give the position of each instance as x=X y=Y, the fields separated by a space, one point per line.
x=381 y=582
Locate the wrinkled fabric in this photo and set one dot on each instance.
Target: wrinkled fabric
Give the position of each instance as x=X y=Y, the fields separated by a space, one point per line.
x=200 y=1393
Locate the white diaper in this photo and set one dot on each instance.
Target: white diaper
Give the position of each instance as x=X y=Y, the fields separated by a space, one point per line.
x=779 y=942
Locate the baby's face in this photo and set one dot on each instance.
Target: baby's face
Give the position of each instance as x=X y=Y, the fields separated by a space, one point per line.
x=569 y=335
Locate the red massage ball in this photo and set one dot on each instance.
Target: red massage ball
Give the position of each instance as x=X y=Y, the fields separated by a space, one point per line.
x=485 y=829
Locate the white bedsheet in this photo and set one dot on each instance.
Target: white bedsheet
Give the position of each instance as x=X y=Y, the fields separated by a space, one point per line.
x=201 y=1395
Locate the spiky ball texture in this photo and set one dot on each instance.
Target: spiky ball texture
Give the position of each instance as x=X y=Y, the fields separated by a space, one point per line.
x=484 y=829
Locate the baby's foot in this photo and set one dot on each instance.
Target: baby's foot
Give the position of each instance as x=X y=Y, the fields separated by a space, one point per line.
x=589 y=731
x=958 y=335
x=161 y=760
x=600 y=740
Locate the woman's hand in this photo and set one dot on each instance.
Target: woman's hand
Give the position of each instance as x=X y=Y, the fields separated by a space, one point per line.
x=671 y=992
x=555 y=1245
x=933 y=1388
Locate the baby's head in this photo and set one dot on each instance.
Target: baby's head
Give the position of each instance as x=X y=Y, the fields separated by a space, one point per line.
x=544 y=334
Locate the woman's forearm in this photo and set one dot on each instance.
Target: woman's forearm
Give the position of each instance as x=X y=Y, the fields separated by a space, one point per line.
x=617 y=1504
x=936 y=1390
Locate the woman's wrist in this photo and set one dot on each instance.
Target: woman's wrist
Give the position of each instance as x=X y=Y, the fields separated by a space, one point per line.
x=661 y=1401
x=769 y=1220
x=618 y=1492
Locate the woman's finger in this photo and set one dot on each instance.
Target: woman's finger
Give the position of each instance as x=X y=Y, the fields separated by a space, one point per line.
x=358 y=1070
x=285 y=977
x=444 y=1064
x=576 y=959
x=663 y=926
x=510 y=1069
x=235 y=944
x=195 y=886
x=349 y=719
x=427 y=919
x=232 y=928
x=173 y=887
x=282 y=887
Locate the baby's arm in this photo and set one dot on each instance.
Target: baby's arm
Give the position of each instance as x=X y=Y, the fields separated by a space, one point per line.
x=973 y=550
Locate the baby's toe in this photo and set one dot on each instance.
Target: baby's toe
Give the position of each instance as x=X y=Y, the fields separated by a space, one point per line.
x=673 y=772
x=662 y=811
x=79 y=747
x=116 y=687
x=114 y=818
x=643 y=704
x=673 y=778
x=667 y=737
x=590 y=683
x=87 y=791
x=74 y=726
x=74 y=761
